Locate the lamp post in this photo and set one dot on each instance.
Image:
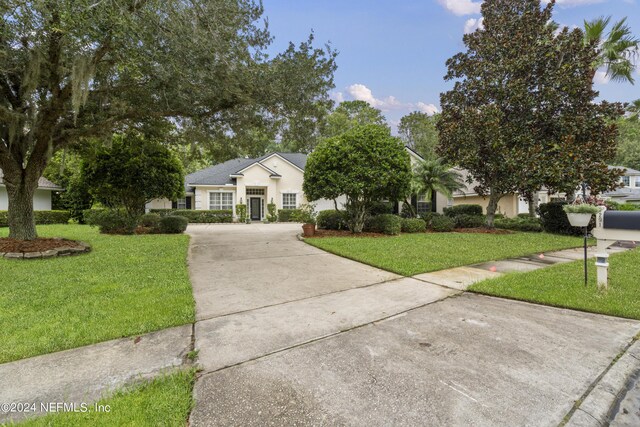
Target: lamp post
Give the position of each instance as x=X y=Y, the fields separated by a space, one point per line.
x=586 y=232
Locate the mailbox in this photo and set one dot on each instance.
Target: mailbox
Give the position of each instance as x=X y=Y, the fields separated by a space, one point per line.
x=612 y=226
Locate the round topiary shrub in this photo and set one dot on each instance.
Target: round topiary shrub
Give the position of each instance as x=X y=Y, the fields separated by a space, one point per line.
x=442 y=224
x=150 y=220
x=387 y=224
x=414 y=225
x=173 y=224
x=332 y=220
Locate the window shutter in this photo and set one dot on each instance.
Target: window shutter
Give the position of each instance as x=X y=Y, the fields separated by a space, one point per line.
x=188 y=202
x=174 y=204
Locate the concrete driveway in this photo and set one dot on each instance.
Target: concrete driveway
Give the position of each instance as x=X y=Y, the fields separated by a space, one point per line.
x=290 y=335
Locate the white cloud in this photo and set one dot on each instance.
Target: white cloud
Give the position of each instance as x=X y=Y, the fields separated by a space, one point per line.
x=361 y=92
x=601 y=77
x=574 y=2
x=473 y=24
x=337 y=96
x=461 y=7
x=429 y=109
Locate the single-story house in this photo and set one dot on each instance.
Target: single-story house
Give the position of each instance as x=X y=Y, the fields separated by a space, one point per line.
x=41 y=198
x=630 y=190
x=273 y=178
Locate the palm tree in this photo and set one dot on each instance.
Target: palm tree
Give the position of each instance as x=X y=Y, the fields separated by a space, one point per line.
x=617 y=51
x=430 y=176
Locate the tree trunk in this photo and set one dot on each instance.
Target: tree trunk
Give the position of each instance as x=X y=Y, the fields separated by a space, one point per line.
x=492 y=207
x=22 y=225
x=533 y=204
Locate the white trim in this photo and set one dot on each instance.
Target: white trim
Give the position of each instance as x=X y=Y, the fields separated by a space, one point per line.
x=271 y=172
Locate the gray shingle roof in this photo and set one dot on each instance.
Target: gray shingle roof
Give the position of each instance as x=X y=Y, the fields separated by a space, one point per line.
x=220 y=174
x=43 y=183
x=628 y=171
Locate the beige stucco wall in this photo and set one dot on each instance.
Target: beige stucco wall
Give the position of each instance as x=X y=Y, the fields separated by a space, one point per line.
x=41 y=200
x=508 y=205
x=159 y=204
x=291 y=181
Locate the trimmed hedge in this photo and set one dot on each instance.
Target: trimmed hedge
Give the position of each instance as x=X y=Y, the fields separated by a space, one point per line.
x=288 y=215
x=111 y=221
x=173 y=224
x=469 y=221
x=554 y=220
x=414 y=225
x=454 y=211
x=41 y=217
x=198 y=216
x=442 y=224
x=150 y=220
x=386 y=223
x=332 y=220
x=380 y=208
x=519 y=224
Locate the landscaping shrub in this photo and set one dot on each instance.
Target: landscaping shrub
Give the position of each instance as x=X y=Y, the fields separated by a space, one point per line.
x=150 y=220
x=454 y=211
x=288 y=215
x=272 y=215
x=41 y=217
x=442 y=224
x=468 y=221
x=407 y=211
x=332 y=220
x=111 y=221
x=413 y=225
x=385 y=223
x=380 y=208
x=519 y=224
x=173 y=224
x=241 y=212
x=553 y=219
x=198 y=216
x=428 y=216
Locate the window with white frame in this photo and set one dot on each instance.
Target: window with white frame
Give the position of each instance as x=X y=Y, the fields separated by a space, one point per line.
x=424 y=205
x=255 y=191
x=289 y=201
x=219 y=200
x=182 y=204
x=626 y=180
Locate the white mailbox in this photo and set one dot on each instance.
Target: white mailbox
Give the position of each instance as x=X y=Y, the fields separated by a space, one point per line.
x=612 y=226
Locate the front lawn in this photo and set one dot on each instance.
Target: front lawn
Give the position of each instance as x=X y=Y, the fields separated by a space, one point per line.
x=562 y=285
x=411 y=254
x=165 y=401
x=127 y=285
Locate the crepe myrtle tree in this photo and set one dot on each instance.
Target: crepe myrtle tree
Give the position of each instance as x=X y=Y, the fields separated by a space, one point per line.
x=133 y=171
x=366 y=164
x=74 y=70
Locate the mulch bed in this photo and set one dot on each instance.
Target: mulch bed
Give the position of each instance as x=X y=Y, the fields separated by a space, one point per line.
x=347 y=233
x=37 y=245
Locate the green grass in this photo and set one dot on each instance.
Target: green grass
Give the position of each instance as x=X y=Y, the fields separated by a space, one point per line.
x=411 y=254
x=165 y=401
x=562 y=285
x=127 y=285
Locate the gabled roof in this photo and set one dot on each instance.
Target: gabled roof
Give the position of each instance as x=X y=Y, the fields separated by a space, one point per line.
x=43 y=183
x=627 y=172
x=223 y=173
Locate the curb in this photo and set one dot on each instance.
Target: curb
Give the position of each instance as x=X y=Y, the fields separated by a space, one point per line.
x=600 y=406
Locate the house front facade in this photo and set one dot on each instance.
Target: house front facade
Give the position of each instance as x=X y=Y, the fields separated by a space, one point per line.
x=273 y=178
x=41 y=198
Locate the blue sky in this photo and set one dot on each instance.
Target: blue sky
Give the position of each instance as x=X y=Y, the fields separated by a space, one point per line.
x=393 y=53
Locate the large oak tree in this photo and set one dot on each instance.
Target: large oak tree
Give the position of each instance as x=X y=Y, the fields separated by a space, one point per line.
x=71 y=70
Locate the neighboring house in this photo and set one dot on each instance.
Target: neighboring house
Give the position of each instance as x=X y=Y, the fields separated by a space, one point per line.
x=41 y=198
x=510 y=205
x=630 y=191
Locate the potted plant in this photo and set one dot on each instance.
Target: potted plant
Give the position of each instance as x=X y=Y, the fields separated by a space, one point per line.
x=307 y=216
x=579 y=215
